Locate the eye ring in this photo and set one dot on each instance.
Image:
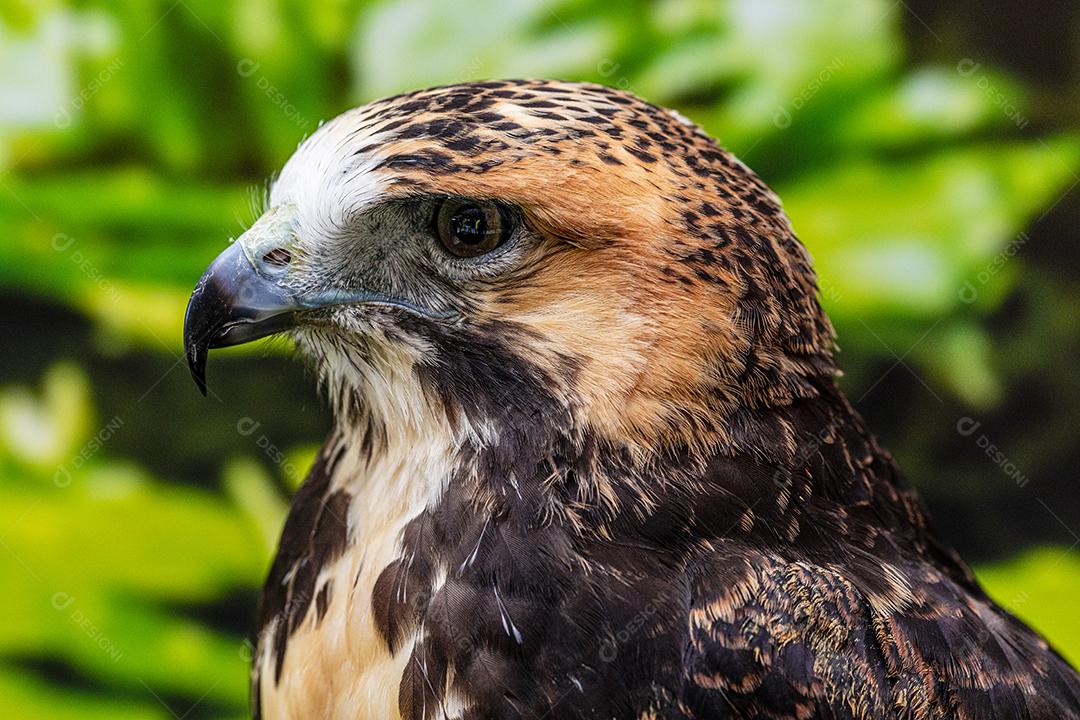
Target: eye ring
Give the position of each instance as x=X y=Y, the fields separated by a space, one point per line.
x=470 y=228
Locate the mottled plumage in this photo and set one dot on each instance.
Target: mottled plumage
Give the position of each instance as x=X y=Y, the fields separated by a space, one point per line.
x=603 y=471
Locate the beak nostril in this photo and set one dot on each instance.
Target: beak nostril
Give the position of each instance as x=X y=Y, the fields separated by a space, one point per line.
x=278 y=257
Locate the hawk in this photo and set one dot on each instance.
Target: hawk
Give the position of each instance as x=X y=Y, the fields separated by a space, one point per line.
x=590 y=459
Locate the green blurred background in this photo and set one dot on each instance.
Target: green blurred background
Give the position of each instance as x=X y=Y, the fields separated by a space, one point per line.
x=928 y=154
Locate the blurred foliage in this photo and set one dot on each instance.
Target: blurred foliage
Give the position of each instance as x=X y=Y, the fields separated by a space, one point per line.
x=135 y=136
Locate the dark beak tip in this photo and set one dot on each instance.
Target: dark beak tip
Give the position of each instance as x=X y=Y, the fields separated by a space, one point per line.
x=196 y=352
x=200 y=324
x=197 y=366
x=232 y=304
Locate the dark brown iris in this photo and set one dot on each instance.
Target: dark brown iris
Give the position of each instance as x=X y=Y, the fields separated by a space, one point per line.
x=468 y=228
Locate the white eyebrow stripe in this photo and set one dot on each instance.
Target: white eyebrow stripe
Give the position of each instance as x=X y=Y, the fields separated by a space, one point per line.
x=327 y=181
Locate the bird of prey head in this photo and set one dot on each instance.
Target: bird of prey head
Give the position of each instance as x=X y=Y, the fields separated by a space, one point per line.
x=490 y=252
x=589 y=458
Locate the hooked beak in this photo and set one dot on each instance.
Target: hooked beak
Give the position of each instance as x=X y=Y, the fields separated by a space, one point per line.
x=233 y=304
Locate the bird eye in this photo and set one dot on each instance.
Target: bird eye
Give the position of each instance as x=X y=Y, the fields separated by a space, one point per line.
x=469 y=229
